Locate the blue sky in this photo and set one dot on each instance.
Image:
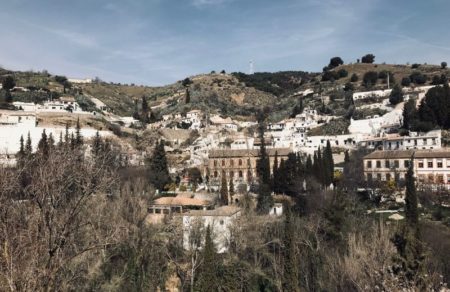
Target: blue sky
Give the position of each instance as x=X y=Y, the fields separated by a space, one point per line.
x=157 y=42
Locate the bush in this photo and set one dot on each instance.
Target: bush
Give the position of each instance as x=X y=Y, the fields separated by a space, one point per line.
x=354 y=77
x=443 y=65
x=335 y=61
x=415 y=66
x=370 y=78
x=369 y=59
x=418 y=78
x=342 y=73
x=406 y=81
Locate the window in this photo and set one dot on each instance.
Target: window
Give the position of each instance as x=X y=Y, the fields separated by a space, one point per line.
x=434 y=141
x=420 y=164
x=369 y=177
x=223 y=162
x=378 y=164
x=397 y=177
x=231 y=174
x=396 y=163
x=240 y=173
x=369 y=164
x=215 y=174
x=388 y=176
x=248 y=162
x=378 y=176
x=440 y=179
x=386 y=163
x=430 y=164
x=406 y=163
x=424 y=141
x=240 y=162
x=439 y=164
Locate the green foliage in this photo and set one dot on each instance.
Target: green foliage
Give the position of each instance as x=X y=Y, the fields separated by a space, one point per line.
x=406 y=81
x=158 y=171
x=342 y=73
x=370 y=79
x=85 y=103
x=278 y=83
x=418 y=78
x=443 y=65
x=369 y=58
x=334 y=62
x=208 y=279
x=224 y=190
x=290 y=271
x=396 y=95
x=354 y=77
x=8 y=83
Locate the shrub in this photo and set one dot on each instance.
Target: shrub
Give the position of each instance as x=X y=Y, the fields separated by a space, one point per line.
x=369 y=59
x=406 y=81
x=342 y=73
x=370 y=78
x=354 y=77
x=443 y=65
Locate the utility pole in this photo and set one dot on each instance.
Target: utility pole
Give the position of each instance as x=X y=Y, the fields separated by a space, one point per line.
x=388 y=73
x=250 y=71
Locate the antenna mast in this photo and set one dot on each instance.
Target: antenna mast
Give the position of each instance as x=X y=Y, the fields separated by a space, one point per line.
x=250 y=71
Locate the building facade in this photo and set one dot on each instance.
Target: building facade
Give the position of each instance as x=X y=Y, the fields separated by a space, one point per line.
x=431 y=167
x=238 y=164
x=429 y=140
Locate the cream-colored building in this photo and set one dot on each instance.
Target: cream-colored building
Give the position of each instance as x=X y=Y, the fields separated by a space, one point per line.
x=431 y=167
x=239 y=164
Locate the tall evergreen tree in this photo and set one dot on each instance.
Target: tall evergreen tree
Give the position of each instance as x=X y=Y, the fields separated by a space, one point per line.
x=51 y=142
x=28 y=146
x=274 y=172
x=329 y=164
x=21 y=152
x=78 y=137
x=309 y=164
x=408 y=240
x=97 y=144
x=187 y=98
x=145 y=111
x=208 y=278
x=158 y=168
x=43 y=145
x=290 y=271
x=396 y=95
x=67 y=136
x=224 y=190
x=264 y=200
x=231 y=190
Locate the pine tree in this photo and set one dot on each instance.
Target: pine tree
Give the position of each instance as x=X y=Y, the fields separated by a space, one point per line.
x=231 y=190
x=290 y=272
x=408 y=240
x=51 y=143
x=21 y=152
x=224 y=190
x=78 y=137
x=61 y=141
x=208 y=278
x=28 y=146
x=145 y=111
x=158 y=168
x=43 y=145
x=396 y=95
x=67 y=136
x=309 y=163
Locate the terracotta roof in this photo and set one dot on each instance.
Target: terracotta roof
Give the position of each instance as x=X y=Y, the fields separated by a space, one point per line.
x=180 y=201
x=220 y=211
x=392 y=154
x=222 y=153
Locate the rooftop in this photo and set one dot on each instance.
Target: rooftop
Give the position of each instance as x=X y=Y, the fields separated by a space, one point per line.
x=392 y=154
x=220 y=211
x=222 y=153
x=180 y=201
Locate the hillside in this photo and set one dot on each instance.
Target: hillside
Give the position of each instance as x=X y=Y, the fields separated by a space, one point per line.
x=237 y=95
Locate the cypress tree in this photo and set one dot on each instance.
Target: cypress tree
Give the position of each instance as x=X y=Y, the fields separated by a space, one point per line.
x=97 y=144
x=224 y=190
x=43 y=145
x=78 y=137
x=21 y=152
x=187 y=96
x=158 y=168
x=231 y=191
x=67 y=136
x=208 y=278
x=408 y=240
x=290 y=272
x=145 y=111
x=264 y=200
x=274 y=172
x=329 y=163
x=28 y=146
x=309 y=163
x=51 y=142
x=61 y=141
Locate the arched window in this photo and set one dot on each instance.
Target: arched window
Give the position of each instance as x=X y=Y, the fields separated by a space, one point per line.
x=240 y=173
x=240 y=162
x=215 y=173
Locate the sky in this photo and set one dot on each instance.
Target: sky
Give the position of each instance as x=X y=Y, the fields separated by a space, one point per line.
x=157 y=42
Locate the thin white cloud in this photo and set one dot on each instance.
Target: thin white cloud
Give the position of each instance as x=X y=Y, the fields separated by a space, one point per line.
x=203 y=3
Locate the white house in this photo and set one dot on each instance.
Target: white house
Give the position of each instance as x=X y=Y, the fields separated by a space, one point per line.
x=219 y=220
x=373 y=93
x=25 y=106
x=429 y=140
